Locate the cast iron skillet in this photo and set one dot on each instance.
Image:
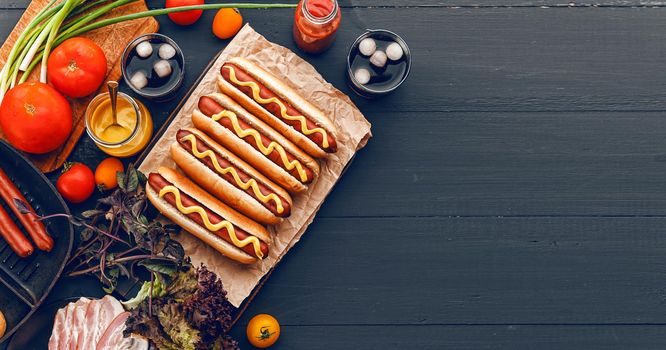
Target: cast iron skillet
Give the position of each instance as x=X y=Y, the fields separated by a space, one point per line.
x=25 y=283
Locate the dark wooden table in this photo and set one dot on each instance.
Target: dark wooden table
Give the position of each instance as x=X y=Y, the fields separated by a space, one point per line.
x=514 y=194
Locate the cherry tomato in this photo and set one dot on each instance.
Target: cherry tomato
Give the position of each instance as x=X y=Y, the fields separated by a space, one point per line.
x=105 y=174
x=184 y=18
x=227 y=23
x=35 y=118
x=3 y=324
x=77 y=183
x=263 y=331
x=77 y=67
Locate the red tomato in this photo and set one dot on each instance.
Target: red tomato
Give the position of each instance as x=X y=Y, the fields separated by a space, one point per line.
x=35 y=118
x=77 y=67
x=184 y=18
x=77 y=183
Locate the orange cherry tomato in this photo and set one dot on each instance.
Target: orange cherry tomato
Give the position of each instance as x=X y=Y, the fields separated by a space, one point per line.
x=227 y=23
x=3 y=324
x=105 y=174
x=263 y=331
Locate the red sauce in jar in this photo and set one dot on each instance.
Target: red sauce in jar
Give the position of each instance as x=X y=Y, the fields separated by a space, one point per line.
x=315 y=24
x=320 y=8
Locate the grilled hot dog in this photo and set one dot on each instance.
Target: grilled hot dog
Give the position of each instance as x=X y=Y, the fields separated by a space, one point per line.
x=229 y=178
x=278 y=105
x=254 y=141
x=196 y=211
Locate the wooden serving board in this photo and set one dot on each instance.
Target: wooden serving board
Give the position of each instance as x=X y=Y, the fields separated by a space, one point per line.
x=112 y=40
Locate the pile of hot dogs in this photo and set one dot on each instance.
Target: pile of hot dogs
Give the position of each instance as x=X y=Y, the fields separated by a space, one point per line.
x=254 y=145
x=11 y=233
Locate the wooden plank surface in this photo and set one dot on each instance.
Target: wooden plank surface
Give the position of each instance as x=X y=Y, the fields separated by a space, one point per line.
x=461 y=337
x=430 y=271
x=507 y=164
x=513 y=195
x=503 y=59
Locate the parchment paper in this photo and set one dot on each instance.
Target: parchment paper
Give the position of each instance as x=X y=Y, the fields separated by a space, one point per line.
x=353 y=133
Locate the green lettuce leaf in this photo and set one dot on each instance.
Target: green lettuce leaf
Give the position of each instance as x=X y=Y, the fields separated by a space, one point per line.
x=158 y=288
x=176 y=326
x=190 y=313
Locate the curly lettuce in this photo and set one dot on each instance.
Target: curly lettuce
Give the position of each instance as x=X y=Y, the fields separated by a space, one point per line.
x=190 y=313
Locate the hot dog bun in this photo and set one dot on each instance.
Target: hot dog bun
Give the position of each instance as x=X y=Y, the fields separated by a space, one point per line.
x=188 y=187
x=230 y=192
x=290 y=96
x=238 y=146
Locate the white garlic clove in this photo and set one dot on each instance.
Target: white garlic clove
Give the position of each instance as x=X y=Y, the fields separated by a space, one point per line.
x=144 y=49
x=394 y=51
x=162 y=68
x=367 y=47
x=167 y=52
x=139 y=80
x=378 y=59
x=362 y=76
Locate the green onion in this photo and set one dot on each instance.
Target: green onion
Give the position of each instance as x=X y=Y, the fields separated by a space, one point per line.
x=57 y=23
x=20 y=44
x=74 y=25
x=158 y=12
x=90 y=4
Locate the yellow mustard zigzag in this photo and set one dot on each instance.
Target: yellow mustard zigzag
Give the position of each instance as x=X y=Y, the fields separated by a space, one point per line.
x=257 y=137
x=244 y=185
x=209 y=225
x=283 y=109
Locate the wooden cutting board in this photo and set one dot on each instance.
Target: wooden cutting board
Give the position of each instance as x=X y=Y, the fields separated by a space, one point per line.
x=112 y=40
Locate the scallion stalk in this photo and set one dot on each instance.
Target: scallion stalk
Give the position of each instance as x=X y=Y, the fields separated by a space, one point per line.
x=151 y=13
x=20 y=44
x=80 y=22
x=14 y=70
x=87 y=6
x=57 y=22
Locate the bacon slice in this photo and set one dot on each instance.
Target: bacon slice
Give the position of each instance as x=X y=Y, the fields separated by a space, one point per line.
x=113 y=337
x=65 y=328
x=81 y=324
x=78 y=321
x=58 y=328
x=98 y=318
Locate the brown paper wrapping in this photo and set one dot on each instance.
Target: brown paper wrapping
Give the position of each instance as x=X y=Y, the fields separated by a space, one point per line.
x=353 y=134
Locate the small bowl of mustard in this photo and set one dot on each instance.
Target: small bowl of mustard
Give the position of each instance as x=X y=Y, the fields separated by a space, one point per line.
x=132 y=115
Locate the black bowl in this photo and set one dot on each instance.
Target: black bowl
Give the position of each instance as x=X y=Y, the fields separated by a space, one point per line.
x=167 y=94
x=384 y=35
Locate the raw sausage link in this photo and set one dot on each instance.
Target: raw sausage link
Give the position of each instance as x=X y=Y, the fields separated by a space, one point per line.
x=35 y=228
x=14 y=237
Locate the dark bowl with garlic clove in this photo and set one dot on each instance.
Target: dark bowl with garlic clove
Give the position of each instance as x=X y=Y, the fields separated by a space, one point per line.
x=378 y=62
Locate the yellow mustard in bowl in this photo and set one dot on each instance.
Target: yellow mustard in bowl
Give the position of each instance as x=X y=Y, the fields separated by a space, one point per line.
x=126 y=139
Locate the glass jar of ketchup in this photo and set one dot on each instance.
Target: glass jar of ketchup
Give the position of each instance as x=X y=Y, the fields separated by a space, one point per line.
x=315 y=24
